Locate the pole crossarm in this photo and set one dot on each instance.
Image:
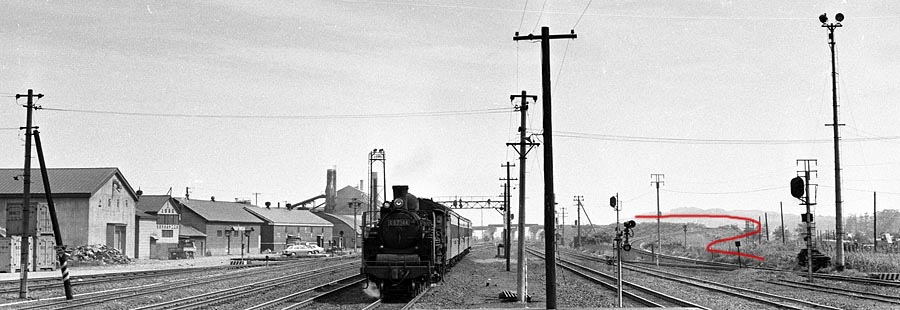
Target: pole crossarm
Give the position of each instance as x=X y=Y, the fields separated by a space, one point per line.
x=530 y=146
x=532 y=37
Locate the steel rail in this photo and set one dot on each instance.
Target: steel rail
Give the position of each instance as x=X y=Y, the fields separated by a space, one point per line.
x=373 y=305
x=819 y=276
x=709 y=285
x=839 y=291
x=640 y=299
x=114 y=294
x=229 y=293
x=415 y=299
x=310 y=300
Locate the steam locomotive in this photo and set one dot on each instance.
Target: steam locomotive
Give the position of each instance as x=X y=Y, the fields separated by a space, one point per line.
x=414 y=243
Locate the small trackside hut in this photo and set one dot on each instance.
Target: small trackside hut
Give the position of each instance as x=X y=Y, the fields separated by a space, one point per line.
x=414 y=243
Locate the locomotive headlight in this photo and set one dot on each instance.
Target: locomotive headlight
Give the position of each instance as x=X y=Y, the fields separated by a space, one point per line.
x=386 y=204
x=398 y=202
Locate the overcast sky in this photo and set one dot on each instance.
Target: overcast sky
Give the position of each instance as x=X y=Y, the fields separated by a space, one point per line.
x=239 y=97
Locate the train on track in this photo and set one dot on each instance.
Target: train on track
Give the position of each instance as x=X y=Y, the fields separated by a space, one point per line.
x=414 y=242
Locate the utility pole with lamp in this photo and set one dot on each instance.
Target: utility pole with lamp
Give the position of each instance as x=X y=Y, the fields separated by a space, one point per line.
x=838 y=218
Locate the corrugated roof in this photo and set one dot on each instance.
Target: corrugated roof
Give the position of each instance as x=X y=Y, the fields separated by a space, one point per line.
x=62 y=180
x=189 y=231
x=220 y=211
x=280 y=216
x=152 y=203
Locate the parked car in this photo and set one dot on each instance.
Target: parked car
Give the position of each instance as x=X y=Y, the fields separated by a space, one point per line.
x=304 y=250
x=185 y=249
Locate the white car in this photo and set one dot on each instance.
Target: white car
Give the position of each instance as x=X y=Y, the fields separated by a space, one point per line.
x=304 y=250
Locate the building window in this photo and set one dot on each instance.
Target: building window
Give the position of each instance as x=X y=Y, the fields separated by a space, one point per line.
x=219 y=233
x=167 y=234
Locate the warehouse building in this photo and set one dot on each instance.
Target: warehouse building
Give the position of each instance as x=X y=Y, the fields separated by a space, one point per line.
x=281 y=223
x=93 y=205
x=220 y=227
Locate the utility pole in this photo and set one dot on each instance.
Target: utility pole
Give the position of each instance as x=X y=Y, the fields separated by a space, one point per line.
x=578 y=200
x=26 y=192
x=522 y=150
x=256 y=195
x=507 y=233
x=838 y=220
x=874 y=222
x=563 y=225
x=355 y=203
x=656 y=180
x=767 y=226
x=549 y=195
x=685 y=236
x=781 y=207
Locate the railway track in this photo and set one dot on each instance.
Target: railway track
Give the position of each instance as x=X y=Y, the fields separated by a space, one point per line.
x=647 y=297
x=739 y=292
x=160 y=288
x=713 y=265
x=380 y=304
x=837 y=291
x=56 y=283
x=745 y=293
x=246 y=290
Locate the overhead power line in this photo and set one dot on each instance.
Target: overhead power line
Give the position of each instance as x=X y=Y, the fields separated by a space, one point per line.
x=307 y=117
x=590 y=136
x=726 y=193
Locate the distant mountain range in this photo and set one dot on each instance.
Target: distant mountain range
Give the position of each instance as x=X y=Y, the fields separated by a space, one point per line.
x=792 y=220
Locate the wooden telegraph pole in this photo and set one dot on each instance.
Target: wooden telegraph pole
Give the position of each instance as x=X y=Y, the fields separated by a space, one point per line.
x=523 y=149
x=26 y=193
x=549 y=196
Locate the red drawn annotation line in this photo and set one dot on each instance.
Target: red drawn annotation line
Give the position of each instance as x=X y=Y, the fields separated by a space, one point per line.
x=709 y=246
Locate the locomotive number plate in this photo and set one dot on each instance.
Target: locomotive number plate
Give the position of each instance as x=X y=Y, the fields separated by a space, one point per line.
x=398 y=222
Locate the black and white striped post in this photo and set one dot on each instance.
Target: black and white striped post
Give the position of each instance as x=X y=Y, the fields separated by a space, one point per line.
x=60 y=249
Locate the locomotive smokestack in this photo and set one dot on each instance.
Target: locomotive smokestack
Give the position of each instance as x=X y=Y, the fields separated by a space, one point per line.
x=400 y=191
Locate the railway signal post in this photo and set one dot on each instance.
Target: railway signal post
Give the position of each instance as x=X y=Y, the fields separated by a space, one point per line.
x=507 y=235
x=614 y=203
x=656 y=180
x=799 y=188
x=549 y=196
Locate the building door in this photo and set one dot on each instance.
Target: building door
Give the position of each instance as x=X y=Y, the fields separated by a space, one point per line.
x=111 y=235
x=120 y=238
x=152 y=249
x=115 y=236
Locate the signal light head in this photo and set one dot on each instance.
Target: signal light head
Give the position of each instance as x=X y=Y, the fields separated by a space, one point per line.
x=630 y=224
x=612 y=201
x=839 y=17
x=626 y=247
x=797 y=189
x=824 y=18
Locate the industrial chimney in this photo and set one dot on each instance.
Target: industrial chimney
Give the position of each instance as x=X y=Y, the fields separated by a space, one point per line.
x=331 y=191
